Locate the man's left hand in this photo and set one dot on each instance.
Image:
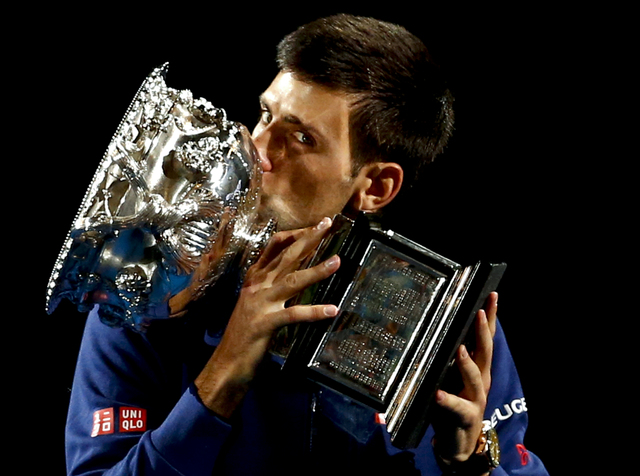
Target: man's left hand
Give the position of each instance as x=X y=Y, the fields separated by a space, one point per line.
x=459 y=421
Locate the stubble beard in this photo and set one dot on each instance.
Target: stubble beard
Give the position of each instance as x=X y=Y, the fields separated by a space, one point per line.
x=268 y=210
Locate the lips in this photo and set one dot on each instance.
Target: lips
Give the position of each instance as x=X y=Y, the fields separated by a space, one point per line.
x=254 y=151
x=265 y=163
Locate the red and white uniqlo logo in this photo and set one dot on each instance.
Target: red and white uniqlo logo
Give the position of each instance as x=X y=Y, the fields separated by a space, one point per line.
x=103 y=423
x=132 y=419
x=129 y=418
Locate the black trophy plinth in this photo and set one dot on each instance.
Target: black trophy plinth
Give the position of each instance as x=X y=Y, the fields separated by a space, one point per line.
x=404 y=310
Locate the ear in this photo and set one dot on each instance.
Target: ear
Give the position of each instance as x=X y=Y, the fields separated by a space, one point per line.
x=377 y=184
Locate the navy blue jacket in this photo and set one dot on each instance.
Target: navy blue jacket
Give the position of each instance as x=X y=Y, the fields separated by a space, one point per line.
x=134 y=411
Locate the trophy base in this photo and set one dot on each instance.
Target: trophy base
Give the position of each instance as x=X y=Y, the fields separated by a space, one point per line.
x=404 y=311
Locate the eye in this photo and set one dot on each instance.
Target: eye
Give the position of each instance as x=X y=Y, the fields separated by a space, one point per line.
x=265 y=115
x=303 y=138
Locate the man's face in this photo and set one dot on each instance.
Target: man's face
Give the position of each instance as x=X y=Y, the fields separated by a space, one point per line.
x=303 y=140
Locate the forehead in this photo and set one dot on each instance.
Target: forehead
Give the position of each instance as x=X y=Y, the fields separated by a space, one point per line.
x=309 y=104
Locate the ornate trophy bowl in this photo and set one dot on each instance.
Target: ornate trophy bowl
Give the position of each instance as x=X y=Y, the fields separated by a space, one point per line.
x=173 y=201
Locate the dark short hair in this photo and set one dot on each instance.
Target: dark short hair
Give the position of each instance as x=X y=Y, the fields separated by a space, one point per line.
x=402 y=109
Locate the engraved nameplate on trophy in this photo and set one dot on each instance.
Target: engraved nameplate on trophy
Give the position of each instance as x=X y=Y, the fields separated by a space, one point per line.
x=404 y=310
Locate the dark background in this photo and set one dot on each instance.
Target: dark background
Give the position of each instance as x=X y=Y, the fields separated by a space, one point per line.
x=513 y=185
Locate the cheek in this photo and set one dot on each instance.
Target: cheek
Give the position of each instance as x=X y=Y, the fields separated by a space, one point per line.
x=313 y=179
x=294 y=177
x=326 y=195
x=309 y=181
x=305 y=187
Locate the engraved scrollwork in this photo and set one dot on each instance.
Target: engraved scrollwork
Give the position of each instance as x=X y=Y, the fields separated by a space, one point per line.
x=177 y=178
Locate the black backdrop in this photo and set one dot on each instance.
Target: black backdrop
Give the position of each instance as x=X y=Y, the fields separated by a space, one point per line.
x=506 y=187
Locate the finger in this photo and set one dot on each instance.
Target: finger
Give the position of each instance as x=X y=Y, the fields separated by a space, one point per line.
x=304 y=242
x=492 y=312
x=484 y=348
x=257 y=272
x=280 y=245
x=472 y=378
x=298 y=280
x=276 y=244
x=299 y=314
x=307 y=242
x=453 y=405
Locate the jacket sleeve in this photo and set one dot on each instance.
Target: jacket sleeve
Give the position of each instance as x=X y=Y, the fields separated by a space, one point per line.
x=119 y=375
x=507 y=412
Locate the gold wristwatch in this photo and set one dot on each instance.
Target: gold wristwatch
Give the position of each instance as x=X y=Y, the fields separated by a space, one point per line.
x=485 y=458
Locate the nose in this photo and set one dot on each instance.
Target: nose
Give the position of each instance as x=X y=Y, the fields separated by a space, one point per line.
x=264 y=142
x=255 y=148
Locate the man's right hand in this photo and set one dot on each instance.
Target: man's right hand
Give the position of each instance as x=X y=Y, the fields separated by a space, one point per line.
x=273 y=280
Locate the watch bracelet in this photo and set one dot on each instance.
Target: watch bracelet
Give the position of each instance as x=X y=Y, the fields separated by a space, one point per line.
x=478 y=464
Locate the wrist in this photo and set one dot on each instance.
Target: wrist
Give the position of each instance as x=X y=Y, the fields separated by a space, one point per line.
x=484 y=459
x=220 y=388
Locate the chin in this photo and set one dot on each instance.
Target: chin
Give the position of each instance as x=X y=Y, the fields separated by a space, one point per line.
x=283 y=220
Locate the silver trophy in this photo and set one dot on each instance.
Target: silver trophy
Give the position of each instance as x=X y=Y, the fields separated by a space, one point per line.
x=172 y=203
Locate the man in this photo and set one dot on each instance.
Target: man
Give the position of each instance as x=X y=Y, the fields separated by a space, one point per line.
x=356 y=108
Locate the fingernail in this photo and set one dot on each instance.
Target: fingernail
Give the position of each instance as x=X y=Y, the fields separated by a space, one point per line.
x=324 y=224
x=331 y=262
x=482 y=315
x=330 y=311
x=463 y=352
